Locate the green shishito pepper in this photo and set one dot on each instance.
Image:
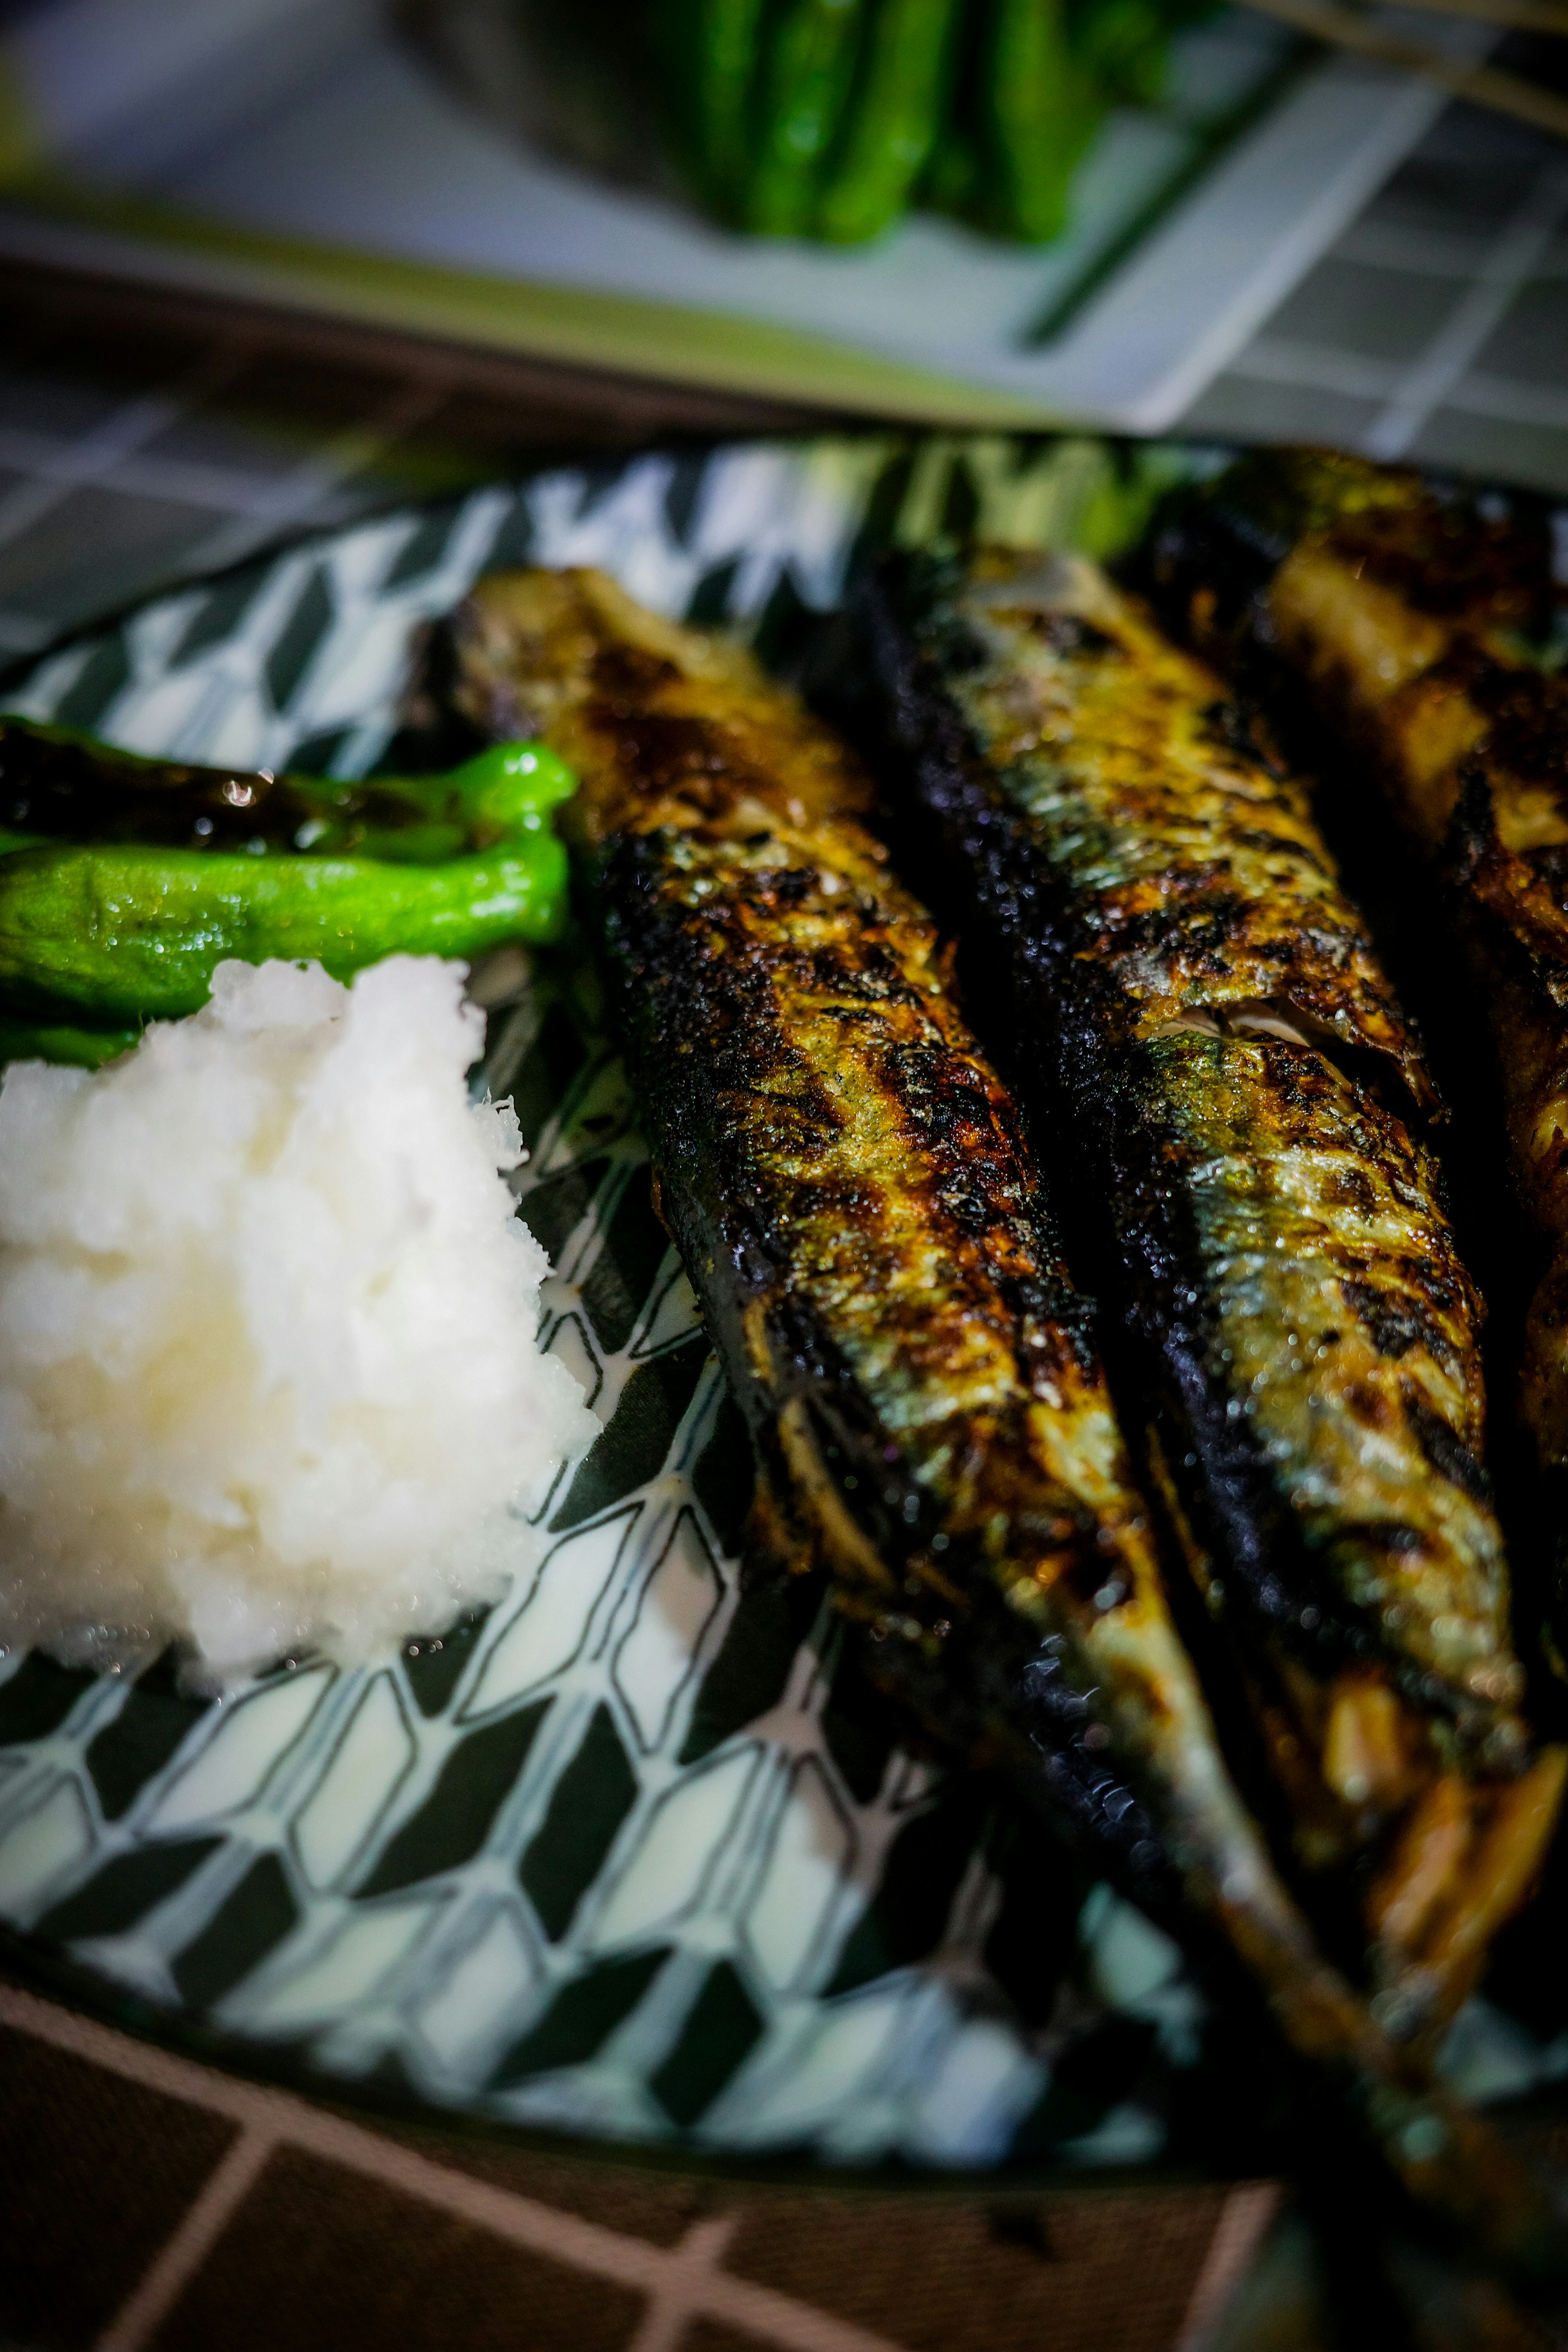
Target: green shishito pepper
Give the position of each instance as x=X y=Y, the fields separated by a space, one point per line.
x=123 y=880
x=1039 y=111
x=709 y=51
x=807 y=75
x=22 y=1040
x=893 y=121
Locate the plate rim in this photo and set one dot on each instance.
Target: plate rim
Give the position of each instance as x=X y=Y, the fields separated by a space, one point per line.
x=38 y=1968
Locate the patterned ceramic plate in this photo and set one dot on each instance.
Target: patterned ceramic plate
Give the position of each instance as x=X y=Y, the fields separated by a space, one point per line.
x=633 y=1856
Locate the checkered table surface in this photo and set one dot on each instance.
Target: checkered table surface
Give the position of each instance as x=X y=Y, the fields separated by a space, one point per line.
x=1437 y=328
x=150 y=2201
x=134 y=450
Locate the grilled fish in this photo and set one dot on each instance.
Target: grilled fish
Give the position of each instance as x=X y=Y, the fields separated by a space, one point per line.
x=852 y=1194
x=1404 y=612
x=1179 y=948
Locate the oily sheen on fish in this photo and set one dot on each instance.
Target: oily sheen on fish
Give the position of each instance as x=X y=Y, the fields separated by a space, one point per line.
x=1184 y=966
x=1407 y=614
x=853 y=1197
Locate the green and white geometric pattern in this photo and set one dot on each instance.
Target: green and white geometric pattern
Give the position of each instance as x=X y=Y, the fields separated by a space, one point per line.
x=636 y=1855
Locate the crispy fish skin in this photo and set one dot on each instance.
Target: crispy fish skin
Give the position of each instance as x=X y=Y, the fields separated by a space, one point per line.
x=1174 y=933
x=837 y=1159
x=1505 y=864
x=1402 y=610
x=851 y=1193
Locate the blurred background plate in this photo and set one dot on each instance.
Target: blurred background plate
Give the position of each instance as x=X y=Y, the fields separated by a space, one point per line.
x=394 y=167
x=635 y=1857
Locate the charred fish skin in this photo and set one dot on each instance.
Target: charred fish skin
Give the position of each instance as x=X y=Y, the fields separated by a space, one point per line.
x=1404 y=610
x=763 y=1016
x=1177 y=945
x=1406 y=613
x=847 y=1180
x=1503 y=866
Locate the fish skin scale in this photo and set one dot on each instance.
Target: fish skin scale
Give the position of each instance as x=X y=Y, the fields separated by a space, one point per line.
x=743 y=913
x=834 y=1153
x=1334 y=1516
x=1342 y=1476
x=1405 y=613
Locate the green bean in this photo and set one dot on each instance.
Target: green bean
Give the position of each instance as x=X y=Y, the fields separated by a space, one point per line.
x=1040 y=111
x=893 y=118
x=1125 y=46
x=808 y=72
x=952 y=180
x=710 y=52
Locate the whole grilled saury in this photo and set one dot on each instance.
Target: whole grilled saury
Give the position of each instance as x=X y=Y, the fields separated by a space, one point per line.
x=847 y=1180
x=1190 y=983
x=1409 y=614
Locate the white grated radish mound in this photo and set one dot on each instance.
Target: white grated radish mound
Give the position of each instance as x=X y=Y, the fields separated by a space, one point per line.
x=270 y=1376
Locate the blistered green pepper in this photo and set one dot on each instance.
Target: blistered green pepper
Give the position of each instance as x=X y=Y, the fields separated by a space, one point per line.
x=123 y=881
x=709 y=54
x=893 y=122
x=807 y=74
x=60 y=1041
x=1040 y=109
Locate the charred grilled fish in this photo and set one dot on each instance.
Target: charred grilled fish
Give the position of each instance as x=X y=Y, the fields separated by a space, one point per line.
x=849 y=1188
x=1178 y=945
x=1404 y=612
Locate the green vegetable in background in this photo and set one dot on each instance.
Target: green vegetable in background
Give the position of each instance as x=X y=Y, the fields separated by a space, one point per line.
x=1124 y=45
x=951 y=183
x=1038 y=111
x=806 y=78
x=894 y=120
x=123 y=881
x=828 y=118
x=710 y=51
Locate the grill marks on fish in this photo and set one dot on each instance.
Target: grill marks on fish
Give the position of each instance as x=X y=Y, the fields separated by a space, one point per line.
x=1264 y=1137
x=1420 y=664
x=849 y=1184
x=842 y=1167
x=1505 y=861
x=1198 y=880
x=1308 y=1328
x=876 y=1148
